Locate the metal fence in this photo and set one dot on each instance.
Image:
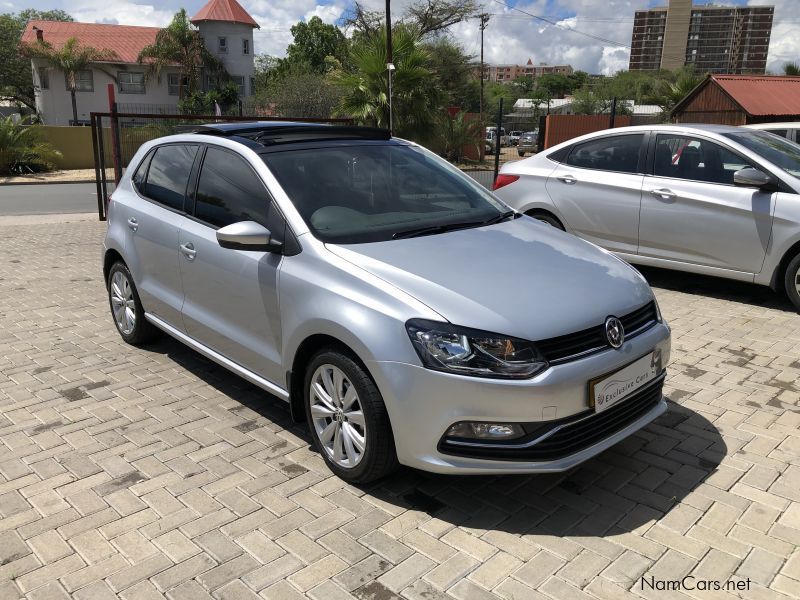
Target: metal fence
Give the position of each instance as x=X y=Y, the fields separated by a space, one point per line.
x=116 y=136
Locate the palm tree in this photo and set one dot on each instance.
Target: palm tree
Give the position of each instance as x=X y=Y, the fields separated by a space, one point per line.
x=22 y=150
x=667 y=94
x=70 y=58
x=365 y=89
x=457 y=134
x=179 y=43
x=792 y=69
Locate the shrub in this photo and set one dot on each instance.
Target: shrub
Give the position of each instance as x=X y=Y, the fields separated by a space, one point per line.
x=22 y=149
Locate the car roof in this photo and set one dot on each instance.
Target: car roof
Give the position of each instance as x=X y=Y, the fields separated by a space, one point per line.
x=262 y=134
x=706 y=127
x=779 y=125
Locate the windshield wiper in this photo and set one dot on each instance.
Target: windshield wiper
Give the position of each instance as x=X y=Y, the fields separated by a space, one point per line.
x=432 y=229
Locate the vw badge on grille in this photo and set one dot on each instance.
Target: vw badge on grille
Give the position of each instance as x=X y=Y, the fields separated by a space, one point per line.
x=615 y=333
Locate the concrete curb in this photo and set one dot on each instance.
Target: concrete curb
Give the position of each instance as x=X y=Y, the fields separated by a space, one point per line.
x=43 y=219
x=2 y=183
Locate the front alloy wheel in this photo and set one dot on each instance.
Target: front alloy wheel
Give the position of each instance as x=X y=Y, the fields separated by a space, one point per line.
x=337 y=416
x=792 y=281
x=347 y=417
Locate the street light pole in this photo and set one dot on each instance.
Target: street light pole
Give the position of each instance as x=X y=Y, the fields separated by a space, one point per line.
x=484 y=17
x=389 y=59
x=390 y=68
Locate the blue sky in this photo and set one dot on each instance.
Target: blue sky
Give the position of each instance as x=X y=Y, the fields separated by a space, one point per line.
x=510 y=37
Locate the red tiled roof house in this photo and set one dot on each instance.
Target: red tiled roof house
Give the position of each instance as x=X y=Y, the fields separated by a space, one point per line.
x=225 y=26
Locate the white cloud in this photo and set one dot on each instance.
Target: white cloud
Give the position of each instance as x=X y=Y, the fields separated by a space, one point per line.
x=121 y=12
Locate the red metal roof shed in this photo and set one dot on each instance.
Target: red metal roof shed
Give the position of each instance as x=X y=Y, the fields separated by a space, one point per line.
x=741 y=99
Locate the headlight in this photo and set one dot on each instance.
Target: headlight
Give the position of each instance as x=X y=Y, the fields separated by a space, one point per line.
x=452 y=349
x=659 y=318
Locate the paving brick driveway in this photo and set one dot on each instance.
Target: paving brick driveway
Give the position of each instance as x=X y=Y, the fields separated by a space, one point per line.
x=144 y=473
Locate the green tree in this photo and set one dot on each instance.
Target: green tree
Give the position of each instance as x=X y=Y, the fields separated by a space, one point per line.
x=427 y=17
x=16 y=79
x=554 y=85
x=792 y=69
x=180 y=43
x=365 y=91
x=451 y=71
x=456 y=134
x=69 y=58
x=314 y=41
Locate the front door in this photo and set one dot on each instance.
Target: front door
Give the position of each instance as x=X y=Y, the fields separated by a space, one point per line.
x=231 y=296
x=598 y=190
x=692 y=212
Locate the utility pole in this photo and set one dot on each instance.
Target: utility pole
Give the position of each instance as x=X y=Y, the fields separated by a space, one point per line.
x=484 y=17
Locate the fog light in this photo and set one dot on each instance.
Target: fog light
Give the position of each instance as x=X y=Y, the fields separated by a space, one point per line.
x=485 y=431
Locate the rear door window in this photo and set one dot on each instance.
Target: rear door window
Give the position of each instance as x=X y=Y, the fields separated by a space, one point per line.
x=168 y=174
x=229 y=191
x=618 y=153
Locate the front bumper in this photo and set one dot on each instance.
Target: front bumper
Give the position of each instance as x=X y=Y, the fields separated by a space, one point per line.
x=423 y=403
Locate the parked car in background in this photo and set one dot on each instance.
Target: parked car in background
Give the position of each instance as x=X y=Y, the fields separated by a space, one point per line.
x=790 y=131
x=710 y=199
x=490 y=133
x=513 y=138
x=354 y=306
x=528 y=143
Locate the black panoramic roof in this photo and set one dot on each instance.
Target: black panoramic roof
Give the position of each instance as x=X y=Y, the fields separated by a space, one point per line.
x=268 y=133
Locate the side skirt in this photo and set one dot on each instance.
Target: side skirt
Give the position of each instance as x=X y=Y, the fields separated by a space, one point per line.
x=239 y=370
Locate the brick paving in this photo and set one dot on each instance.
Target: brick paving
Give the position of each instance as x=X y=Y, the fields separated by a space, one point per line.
x=151 y=473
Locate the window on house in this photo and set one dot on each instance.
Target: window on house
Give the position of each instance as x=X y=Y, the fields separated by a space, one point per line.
x=174 y=84
x=245 y=46
x=252 y=86
x=130 y=82
x=223 y=44
x=84 y=81
x=239 y=81
x=44 y=79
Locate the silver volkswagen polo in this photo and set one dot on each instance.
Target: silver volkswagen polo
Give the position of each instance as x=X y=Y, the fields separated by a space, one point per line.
x=405 y=313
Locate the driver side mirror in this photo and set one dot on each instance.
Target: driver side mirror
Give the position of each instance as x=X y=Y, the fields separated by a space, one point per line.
x=749 y=177
x=247 y=235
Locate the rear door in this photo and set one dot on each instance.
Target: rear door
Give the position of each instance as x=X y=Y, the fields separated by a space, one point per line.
x=597 y=190
x=231 y=296
x=153 y=218
x=692 y=212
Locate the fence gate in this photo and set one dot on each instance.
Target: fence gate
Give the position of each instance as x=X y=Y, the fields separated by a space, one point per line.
x=116 y=137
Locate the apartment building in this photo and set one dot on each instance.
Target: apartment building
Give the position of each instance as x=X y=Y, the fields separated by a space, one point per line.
x=711 y=37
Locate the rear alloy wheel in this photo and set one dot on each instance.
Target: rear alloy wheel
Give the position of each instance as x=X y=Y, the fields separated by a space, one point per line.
x=792 y=281
x=126 y=308
x=348 y=419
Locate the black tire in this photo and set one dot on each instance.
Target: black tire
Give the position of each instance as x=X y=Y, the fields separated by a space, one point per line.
x=791 y=281
x=520 y=153
x=379 y=457
x=143 y=331
x=548 y=218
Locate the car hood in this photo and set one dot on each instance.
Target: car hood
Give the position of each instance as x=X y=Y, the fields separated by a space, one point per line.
x=520 y=278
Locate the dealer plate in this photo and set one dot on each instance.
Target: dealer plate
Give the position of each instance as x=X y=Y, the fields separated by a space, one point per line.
x=607 y=390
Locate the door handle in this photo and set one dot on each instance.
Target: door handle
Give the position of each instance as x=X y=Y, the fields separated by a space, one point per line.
x=568 y=179
x=664 y=194
x=188 y=251
x=133 y=224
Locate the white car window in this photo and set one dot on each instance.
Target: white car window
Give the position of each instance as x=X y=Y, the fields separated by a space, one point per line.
x=685 y=157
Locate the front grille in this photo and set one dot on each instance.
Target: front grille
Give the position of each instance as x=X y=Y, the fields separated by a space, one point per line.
x=575 y=433
x=568 y=347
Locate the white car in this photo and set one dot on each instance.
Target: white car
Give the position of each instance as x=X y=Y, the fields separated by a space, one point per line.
x=709 y=199
x=790 y=131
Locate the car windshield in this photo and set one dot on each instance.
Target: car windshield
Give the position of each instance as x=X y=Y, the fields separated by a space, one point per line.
x=370 y=193
x=778 y=151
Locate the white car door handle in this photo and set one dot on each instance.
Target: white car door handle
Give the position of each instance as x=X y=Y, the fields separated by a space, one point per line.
x=664 y=193
x=188 y=251
x=568 y=179
x=133 y=224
